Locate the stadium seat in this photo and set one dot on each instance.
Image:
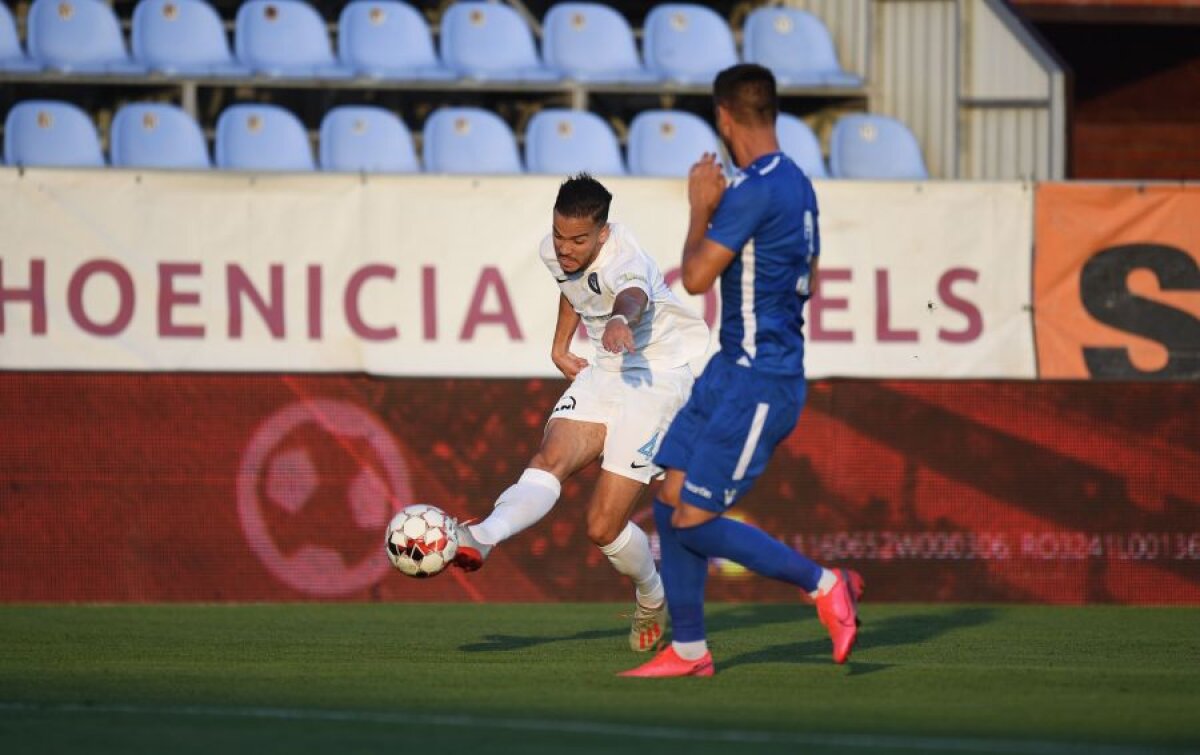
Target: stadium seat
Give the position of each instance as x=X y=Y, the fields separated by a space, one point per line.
x=12 y=57
x=182 y=38
x=366 y=139
x=47 y=132
x=687 y=43
x=564 y=142
x=591 y=42
x=262 y=137
x=285 y=38
x=799 y=142
x=489 y=41
x=796 y=46
x=668 y=142
x=468 y=140
x=78 y=36
x=156 y=135
x=874 y=146
x=387 y=39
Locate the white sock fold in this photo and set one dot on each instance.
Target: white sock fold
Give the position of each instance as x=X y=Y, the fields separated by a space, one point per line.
x=630 y=555
x=690 y=651
x=521 y=506
x=825 y=584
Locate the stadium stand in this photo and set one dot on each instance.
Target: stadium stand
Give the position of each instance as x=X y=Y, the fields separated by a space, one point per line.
x=387 y=39
x=156 y=135
x=667 y=142
x=796 y=46
x=182 y=38
x=874 y=147
x=591 y=42
x=285 y=38
x=363 y=138
x=564 y=142
x=78 y=36
x=799 y=142
x=488 y=41
x=12 y=57
x=262 y=137
x=687 y=43
x=51 y=133
x=468 y=140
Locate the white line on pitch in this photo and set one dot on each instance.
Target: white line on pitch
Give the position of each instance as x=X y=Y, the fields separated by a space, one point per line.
x=738 y=736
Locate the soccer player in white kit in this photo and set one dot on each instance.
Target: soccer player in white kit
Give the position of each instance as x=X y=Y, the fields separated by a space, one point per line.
x=616 y=409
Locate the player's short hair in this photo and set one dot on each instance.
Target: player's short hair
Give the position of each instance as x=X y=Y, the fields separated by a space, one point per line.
x=582 y=196
x=747 y=91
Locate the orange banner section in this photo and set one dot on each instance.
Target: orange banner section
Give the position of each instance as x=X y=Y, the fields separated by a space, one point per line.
x=1117 y=281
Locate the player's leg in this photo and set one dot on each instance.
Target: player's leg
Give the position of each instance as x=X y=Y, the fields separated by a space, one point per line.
x=644 y=404
x=574 y=437
x=684 y=574
x=627 y=548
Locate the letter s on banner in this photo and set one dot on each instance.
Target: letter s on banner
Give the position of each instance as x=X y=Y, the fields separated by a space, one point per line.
x=1117 y=281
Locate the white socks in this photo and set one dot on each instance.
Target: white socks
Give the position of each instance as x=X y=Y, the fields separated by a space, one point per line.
x=630 y=555
x=690 y=651
x=826 y=583
x=519 y=507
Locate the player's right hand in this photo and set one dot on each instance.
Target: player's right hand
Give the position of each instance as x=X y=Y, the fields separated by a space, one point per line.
x=706 y=183
x=568 y=364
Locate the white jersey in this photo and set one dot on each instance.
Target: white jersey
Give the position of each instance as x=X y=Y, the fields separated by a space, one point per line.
x=668 y=335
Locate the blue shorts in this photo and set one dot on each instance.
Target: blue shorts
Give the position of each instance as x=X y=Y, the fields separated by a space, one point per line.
x=725 y=434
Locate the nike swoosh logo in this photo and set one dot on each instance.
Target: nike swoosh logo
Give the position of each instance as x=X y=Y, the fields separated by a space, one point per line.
x=639 y=466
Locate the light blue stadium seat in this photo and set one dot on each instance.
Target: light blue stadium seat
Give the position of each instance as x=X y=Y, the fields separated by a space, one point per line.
x=78 y=36
x=468 y=140
x=591 y=42
x=156 y=135
x=12 y=57
x=490 y=41
x=285 y=38
x=564 y=142
x=359 y=138
x=48 y=132
x=262 y=137
x=799 y=142
x=796 y=46
x=182 y=38
x=668 y=142
x=875 y=146
x=387 y=39
x=687 y=43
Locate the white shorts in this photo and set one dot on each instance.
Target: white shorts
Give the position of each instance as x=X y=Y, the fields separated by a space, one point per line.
x=636 y=406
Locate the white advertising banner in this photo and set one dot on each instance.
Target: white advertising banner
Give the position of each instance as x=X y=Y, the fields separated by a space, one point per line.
x=439 y=276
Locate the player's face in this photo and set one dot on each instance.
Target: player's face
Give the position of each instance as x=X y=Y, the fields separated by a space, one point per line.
x=577 y=241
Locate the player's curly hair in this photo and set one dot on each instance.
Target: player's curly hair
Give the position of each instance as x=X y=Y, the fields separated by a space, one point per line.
x=582 y=196
x=747 y=91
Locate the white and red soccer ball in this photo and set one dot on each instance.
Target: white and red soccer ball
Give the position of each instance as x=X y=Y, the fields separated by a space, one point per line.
x=421 y=540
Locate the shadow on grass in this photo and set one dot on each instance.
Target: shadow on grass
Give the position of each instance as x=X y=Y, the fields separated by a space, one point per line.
x=504 y=642
x=893 y=631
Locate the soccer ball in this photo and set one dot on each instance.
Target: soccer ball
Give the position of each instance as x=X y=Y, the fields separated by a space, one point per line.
x=421 y=540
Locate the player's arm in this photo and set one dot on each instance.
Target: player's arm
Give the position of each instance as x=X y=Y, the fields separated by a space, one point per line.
x=564 y=330
x=703 y=258
x=628 y=308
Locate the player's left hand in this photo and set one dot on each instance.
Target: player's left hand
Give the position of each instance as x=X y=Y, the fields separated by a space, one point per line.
x=618 y=337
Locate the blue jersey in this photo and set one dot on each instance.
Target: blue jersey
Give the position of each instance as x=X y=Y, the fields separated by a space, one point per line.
x=768 y=217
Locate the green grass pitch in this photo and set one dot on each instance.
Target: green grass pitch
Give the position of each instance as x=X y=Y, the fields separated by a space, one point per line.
x=541 y=679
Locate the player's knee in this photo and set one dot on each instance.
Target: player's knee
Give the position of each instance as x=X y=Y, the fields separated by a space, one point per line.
x=602 y=532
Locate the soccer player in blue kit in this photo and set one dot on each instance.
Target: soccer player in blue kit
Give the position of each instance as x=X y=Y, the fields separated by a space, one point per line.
x=760 y=235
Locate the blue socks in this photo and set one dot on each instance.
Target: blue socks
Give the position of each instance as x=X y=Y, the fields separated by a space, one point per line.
x=752 y=548
x=684 y=574
x=685 y=554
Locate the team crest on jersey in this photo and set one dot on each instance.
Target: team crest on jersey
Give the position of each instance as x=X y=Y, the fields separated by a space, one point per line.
x=594 y=282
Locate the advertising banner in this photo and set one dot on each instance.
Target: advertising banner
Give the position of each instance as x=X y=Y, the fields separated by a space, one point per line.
x=1117 y=281
x=186 y=487
x=439 y=276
